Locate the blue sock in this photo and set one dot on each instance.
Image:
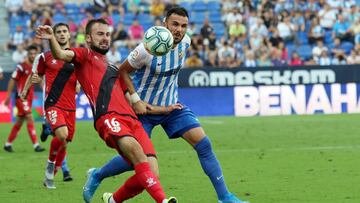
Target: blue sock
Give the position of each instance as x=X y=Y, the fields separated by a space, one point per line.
x=64 y=166
x=211 y=166
x=115 y=166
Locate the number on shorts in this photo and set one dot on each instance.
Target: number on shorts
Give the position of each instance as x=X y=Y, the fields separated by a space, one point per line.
x=52 y=116
x=114 y=125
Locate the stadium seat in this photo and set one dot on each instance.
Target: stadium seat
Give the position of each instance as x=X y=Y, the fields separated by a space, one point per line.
x=198 y=17
x=214 y=6
x=215 y=17
x=186 y=5
x=347 y=46
x=199 y=6
x=302 y=37
x=328 y=37
x=58 y=17
x=304 y=51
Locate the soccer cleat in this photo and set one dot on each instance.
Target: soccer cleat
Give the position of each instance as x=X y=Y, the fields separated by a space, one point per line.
x=170 y=200
x=8 y=148
x=49 y=170
x=67 y=176
x=92 y=183
x=46 y=131
x=39 y=149
x=230 y=198
x=106 y=197
x=49 y=184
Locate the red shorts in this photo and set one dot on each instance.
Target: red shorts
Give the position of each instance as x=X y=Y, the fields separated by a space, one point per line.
x=113 y=126
x=23 y=107
x=58 y=117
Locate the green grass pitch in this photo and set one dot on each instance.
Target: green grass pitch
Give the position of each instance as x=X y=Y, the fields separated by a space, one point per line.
x=290 y=159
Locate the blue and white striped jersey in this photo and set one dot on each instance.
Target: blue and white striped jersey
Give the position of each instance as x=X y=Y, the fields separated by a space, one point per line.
x=156 y=78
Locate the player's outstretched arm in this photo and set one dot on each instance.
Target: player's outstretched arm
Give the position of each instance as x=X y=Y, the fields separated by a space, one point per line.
x=11 y=85
x=139 y=106
x=26 y=88
x=163 y=109
x=46 y=32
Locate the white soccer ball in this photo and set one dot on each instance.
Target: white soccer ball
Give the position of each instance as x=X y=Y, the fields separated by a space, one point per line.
x=158 y=40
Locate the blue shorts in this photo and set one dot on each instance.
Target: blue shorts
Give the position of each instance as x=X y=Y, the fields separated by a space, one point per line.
x=175 y=124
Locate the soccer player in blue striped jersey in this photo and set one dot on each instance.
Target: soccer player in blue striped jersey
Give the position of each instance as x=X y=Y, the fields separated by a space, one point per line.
x=155 y=83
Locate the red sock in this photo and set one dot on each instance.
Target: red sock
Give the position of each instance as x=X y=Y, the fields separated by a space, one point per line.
x=14 y=132
x=32 y=132
x=55 y=145
x=60 y=157
x=130 y=189
x=149 y=181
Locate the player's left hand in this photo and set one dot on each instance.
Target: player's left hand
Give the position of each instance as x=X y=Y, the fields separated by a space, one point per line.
x=174 y=107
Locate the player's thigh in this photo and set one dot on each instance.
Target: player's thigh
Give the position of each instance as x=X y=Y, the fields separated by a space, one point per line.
x=23 y=107
x=132 y=150
x=70 y=123
x=57 y=121
x=142 y=137
x=180 y=121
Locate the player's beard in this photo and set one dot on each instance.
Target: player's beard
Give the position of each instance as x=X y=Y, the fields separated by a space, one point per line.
x=98 y=49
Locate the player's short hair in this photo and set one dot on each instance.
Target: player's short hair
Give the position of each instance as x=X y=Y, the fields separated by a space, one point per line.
x=178 y=10
x=91 y=22
x=32 y=47
x=57 y=25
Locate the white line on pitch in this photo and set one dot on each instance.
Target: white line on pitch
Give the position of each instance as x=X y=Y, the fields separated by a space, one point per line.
x=320 y=148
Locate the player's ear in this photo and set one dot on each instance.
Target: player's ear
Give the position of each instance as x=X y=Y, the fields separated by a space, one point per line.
x=87 y=38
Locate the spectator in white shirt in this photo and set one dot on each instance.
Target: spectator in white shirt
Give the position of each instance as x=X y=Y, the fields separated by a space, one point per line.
x=286 y=29
x=113 y=56
x=20 y=54
x=327 y=16
x=318 y=49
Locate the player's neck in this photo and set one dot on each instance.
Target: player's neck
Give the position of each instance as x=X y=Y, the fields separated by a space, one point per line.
x=65 y=47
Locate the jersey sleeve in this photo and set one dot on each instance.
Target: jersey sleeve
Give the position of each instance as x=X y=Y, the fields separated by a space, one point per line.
x=16 y=75
x=138 y=57
x=80 y=55
x=39 y=64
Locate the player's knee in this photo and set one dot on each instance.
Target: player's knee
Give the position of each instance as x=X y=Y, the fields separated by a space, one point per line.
x=203 y=146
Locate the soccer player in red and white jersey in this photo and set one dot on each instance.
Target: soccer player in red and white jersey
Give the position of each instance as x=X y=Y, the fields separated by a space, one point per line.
x=19 y=77
x=115 y=121
x=60 y=107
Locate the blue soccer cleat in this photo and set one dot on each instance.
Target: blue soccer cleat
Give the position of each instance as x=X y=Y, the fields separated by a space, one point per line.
x=45 y=132
x=230 y=198
x=92 y=183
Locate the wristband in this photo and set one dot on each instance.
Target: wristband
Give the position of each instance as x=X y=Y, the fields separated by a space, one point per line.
x=134 y=98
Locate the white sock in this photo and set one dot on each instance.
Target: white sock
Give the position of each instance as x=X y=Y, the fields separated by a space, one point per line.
x=111 y=200
x=35 y=145
x=8 y=144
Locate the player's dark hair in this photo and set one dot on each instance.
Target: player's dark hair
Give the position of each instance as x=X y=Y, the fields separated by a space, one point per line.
x=92 y=22
x=57 y=25
x=32 y=47
x=178 y=10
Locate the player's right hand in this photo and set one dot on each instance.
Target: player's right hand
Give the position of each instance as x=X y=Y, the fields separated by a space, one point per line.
x=140 y=107
x=35 y=78
x=44 y=32
x=23 y=95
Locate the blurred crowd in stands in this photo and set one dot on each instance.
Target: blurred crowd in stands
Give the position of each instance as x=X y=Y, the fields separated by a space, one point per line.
x=227 y=33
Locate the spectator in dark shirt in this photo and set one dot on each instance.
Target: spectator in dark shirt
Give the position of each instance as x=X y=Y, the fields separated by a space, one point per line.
x=206 y=29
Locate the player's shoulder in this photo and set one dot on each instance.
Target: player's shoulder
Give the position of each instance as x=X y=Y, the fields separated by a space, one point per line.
x=139 y=52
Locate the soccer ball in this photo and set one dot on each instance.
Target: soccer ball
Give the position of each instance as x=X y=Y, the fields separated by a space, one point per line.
x=158 y=40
